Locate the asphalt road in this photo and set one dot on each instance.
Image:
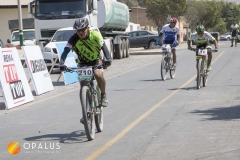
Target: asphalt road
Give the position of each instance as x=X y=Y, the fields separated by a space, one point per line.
x=147 y=118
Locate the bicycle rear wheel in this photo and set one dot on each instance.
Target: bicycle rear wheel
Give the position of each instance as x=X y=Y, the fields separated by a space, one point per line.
x=172 y=70
x=87 y=111
x=198 y=76
x=99 y=113
x=164 y=67
x=204 y=71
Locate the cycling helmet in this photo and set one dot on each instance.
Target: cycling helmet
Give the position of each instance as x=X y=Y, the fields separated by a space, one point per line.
x=81 y=23
x=173 y=20
x=200 y=29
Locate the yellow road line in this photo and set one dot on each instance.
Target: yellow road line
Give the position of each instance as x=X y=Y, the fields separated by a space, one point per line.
x=58 y=95
x=138 y=120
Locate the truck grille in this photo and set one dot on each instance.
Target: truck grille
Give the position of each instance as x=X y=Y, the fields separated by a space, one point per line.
x=47 y=33
x=55 y=59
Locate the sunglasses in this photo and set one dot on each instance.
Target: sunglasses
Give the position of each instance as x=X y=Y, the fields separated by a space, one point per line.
x=82 y=30
x=199 y=32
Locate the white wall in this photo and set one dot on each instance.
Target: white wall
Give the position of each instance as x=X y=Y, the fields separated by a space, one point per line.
x=9 y=14
x=132 y=27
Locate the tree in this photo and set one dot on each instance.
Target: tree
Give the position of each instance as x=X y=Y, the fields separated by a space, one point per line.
x=129 y=3
x=160 y=10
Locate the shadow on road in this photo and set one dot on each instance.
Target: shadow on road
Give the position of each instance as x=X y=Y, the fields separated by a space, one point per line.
x=68 y=138
x=151 y=80
x=2 y=106
x=58 y=83
x=185 y=88
x=224 y=113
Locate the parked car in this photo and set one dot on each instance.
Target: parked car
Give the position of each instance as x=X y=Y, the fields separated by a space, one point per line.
x=142 y=38
x=226 y=37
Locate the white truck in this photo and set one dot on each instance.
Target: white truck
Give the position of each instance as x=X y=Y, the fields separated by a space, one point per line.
x=110 y=16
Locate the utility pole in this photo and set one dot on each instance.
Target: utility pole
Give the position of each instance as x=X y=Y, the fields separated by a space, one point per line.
x=20 y=23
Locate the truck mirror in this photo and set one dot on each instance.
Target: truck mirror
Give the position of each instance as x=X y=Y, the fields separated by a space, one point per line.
x=8 y=41
x=94 y=4
x=47 y=41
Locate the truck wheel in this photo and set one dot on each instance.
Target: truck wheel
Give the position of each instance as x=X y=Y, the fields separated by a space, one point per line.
x=112 y=49
x=123 y=48
x=118 y=50
x=127 y=46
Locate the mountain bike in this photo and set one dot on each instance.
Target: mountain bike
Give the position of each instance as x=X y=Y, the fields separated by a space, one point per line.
x=167 y=62
x=202 y=72
x=90 y=98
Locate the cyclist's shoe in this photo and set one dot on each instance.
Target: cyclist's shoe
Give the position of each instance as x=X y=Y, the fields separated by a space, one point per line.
x=231 y=45
x=174 y=66
x=104 y=100
x=209 y=68
x=82 y=120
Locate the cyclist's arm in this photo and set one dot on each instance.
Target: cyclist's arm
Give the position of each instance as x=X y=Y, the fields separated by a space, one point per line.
x=189 y=41
x=178 y=37
x=106 y=52
x=67 y=49
x=212 y=39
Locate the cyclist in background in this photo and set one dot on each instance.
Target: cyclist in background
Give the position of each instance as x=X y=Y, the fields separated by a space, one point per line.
x=202 y=38
x=234 y=30
x=170 y=35
x=87 y=44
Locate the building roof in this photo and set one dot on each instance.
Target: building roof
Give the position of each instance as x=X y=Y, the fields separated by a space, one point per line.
x=14 y=2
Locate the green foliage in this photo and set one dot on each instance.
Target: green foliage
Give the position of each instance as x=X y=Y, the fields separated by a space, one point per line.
x=130 y=3
x=160 y=10
x=214 y=15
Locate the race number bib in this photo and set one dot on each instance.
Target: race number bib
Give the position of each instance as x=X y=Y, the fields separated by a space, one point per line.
x=202 y=52
x=85 y=73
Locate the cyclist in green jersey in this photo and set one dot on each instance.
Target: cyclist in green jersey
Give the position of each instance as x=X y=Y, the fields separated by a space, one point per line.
x=202 y=38
x=234 y=30
x=87 y=44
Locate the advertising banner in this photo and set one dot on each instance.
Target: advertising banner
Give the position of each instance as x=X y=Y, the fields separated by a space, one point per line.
x=69 y=62
x=14 y=83
x=37 y=69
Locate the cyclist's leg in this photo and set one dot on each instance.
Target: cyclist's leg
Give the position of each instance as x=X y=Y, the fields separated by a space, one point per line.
x=98 y=73
x=236 y=40
x=208 y=47
x=232 y=39
x=174 y=55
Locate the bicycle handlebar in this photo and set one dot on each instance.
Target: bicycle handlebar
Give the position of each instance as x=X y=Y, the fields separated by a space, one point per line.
x=196 y=49
x=70 y=69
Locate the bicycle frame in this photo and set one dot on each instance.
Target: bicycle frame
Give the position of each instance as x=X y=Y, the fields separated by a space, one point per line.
x=166 y=64
x=202 y=72
x=90 y=101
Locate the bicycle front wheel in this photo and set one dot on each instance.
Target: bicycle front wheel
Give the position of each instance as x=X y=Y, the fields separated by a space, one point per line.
x=164 y=67
x=87 y=111
x=198 y=76
x=172 y=70
x=99 y=113
x=204 y=71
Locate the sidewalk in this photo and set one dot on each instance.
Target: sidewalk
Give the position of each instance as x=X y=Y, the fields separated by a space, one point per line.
x=155 y=51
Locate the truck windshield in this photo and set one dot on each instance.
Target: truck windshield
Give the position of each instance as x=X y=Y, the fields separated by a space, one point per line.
x=63 y=35
x=59 y=9
x=27 y=35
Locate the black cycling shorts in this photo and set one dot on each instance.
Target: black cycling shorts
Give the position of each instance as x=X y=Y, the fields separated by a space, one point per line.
x=93 y=63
